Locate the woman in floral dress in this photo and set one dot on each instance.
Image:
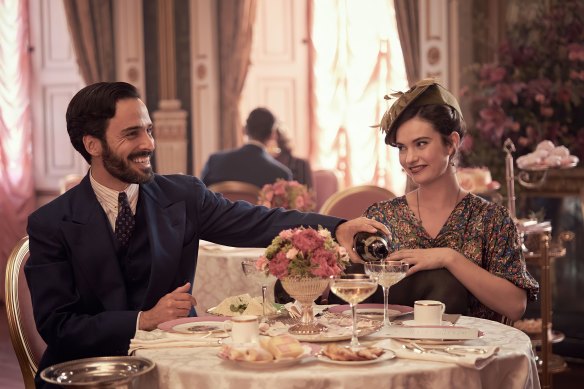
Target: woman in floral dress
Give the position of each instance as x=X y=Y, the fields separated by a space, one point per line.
x=439 y=227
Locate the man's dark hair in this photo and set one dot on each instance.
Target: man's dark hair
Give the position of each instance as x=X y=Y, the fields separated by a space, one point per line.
x=91 y=108
x=260 y=124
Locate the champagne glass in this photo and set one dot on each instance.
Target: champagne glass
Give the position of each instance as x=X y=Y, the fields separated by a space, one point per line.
x=353 y=288
x=387 y=273
x=259 y=276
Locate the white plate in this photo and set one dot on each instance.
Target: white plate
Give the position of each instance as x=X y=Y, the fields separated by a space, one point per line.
x=201 y=328
x=322 y=337
x=267 y=365
x=387 y=355
x=413 y=323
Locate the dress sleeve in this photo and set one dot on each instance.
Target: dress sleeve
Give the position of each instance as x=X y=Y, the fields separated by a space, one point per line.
x=504 y=257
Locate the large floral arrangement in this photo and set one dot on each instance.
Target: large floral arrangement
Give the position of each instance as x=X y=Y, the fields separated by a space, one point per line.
x=534 y=91
x=287 y=194
x=304 y=252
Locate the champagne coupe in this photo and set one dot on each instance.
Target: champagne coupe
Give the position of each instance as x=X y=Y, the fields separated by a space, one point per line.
x=259 y=276
x=354 y=288
x=387 y=273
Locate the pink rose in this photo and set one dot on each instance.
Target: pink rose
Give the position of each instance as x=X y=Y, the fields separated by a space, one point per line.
x=307 y=240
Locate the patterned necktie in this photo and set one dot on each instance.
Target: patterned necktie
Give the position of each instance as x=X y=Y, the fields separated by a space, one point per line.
x=125 y=222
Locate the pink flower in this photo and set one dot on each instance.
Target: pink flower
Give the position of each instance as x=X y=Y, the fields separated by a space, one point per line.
x=279 y=265
x=307 y=240
x=304 y=252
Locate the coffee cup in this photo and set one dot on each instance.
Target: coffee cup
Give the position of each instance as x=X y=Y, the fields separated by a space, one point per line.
x=245 y=329
x=428 y=312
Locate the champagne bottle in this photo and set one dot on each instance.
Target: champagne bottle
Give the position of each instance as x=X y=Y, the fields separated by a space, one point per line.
x=371 y=246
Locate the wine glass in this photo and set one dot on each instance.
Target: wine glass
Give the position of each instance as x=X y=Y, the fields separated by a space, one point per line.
x=387 y=273
x=353 y=288
x=259 y=276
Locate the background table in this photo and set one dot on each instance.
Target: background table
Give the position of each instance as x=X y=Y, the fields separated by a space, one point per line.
x=513 y=367
x=219 y=275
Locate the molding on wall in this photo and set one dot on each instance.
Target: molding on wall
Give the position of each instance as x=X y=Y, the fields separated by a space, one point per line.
x=434 y=41
x=129 y=42
x=204 y=81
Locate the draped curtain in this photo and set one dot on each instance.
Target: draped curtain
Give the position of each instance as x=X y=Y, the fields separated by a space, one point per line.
x=16 y=177
x=406 y=13
x=356 y=60
x=236 y=19
x=91 y=28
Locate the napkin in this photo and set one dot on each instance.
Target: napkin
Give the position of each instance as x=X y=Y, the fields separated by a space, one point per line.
x=162 y=339
x=438 y=354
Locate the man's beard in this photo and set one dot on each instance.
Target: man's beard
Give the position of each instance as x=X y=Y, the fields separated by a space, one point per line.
x=120 y=168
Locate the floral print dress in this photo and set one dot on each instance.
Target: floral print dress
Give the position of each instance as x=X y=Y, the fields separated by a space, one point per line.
x=480 y=230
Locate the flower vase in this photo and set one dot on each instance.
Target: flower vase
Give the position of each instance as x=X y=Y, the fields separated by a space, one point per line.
x=305 y=290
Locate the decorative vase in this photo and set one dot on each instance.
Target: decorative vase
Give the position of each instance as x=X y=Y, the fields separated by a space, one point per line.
x=305 y=290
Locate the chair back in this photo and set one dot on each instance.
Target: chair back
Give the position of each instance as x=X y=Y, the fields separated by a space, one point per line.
x=69 y=181
x=26 y=341
x=326 y=184
x=352 y=202
x=237 y=190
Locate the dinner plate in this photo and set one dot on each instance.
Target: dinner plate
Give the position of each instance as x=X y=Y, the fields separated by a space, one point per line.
x=169 y=326
x=413 y=323
x=386 y=356
x=373 y=311
x=280 y=312
x=323 y=337
x=268 y=365
x=202 y=328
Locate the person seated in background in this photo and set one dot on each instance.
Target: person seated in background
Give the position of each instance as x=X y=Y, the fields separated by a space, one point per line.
x=117 y=252
x=250 y=163
x=462 y=249
x=300 y=167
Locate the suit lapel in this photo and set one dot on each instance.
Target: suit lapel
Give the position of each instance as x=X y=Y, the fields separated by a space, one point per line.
x=96 y=257
x=165 y=221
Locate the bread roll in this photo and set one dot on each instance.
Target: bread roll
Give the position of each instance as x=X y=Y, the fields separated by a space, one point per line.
x=285 y=347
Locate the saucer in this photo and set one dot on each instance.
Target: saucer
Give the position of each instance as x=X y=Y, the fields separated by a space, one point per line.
x=413 y=323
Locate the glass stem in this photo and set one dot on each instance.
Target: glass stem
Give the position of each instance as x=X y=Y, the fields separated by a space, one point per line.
x=354 y=340
x=264 y=290
x=385 y=306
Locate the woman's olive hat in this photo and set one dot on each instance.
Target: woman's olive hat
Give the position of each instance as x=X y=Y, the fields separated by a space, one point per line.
x=424 y=92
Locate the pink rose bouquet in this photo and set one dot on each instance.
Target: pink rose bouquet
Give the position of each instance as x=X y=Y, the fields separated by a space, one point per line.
x=286 y=194
x=304 y=252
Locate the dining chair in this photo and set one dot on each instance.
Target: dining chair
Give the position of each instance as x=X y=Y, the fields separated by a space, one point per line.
x=69 y=181
x=237 y=190
x=325 y=184
x=26 y=341
x=352 y=202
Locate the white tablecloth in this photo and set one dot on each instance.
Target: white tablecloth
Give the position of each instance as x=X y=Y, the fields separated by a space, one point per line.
x=513 y=367
x=219 y=275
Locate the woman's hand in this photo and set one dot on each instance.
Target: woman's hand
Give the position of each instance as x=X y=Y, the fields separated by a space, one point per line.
x=425 y=259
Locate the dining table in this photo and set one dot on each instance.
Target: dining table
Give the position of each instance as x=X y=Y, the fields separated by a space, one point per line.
x=219 y=274
x=513 y=366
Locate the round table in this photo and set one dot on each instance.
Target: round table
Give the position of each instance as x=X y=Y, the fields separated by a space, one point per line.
x=513 y=367
x=219 y=275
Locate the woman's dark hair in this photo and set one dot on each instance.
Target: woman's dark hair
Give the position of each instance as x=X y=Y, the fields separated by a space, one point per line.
x=283 y=142
x=91 y=108
x=444 y=118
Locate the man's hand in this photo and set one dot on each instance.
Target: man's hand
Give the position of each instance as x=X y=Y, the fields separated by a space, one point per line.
x=172 y=306
x=346 y=231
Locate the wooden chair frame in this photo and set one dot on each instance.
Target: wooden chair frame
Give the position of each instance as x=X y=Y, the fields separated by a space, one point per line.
x=235 y=187
x=20 y=342
x=341 y=195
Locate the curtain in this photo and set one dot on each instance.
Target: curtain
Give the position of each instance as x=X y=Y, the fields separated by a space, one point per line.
x=91 y=28
x=236 y=19
x=408 y=24
x=16 y=178
x=356 y=60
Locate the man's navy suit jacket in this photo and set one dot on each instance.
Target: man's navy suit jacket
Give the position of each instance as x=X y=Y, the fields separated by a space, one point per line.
x=250 y=163
x=76 y=283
